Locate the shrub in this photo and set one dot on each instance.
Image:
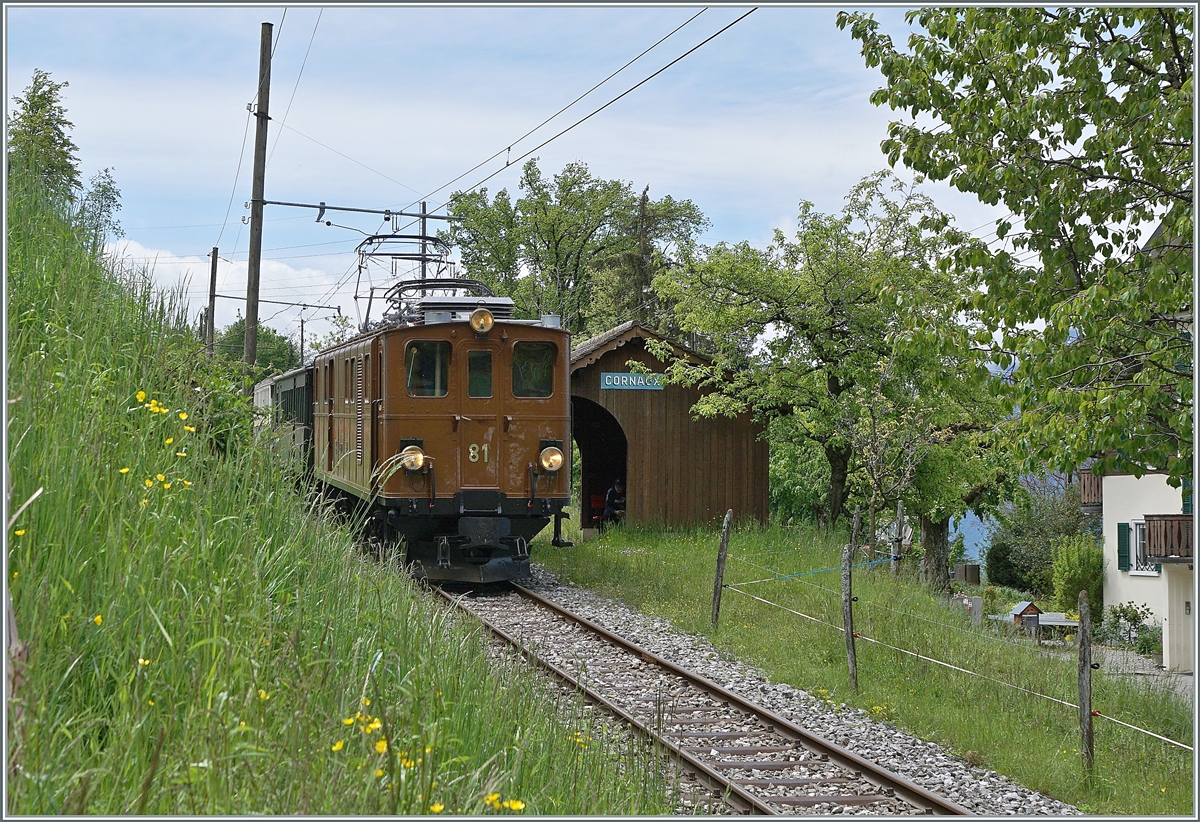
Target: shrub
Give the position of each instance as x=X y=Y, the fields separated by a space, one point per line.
x=1078 y=566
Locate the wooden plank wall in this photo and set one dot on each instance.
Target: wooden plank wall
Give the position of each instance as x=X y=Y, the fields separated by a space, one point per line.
x=680 y=471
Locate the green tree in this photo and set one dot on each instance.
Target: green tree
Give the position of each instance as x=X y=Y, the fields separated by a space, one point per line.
x=1078 y=566
x=99 y=206
x=37 y=134
x=275 y=353
x=797 y=327
x=1018 y=551
x=546 y=249
x=1079 y=120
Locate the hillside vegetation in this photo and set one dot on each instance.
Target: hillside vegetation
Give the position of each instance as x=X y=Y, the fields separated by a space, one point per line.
x=201 y=637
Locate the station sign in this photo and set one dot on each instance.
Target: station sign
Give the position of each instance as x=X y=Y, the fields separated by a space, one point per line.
x=631 y=382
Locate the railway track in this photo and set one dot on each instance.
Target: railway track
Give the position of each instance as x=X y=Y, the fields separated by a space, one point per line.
x=746 y=758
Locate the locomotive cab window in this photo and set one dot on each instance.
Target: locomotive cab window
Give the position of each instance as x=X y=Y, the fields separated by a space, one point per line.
x=479 y=373
x=427 y=365
x=533 y=369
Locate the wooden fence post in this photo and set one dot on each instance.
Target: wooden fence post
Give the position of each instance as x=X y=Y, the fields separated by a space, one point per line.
x=1088 y=742
x=847 y=610
x=719 y=582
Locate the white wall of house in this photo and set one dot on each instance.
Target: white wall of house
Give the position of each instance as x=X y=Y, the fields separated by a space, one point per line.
x=1128 y=499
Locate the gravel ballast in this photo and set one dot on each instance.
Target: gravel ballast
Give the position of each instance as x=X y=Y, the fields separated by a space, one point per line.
x=928 y=764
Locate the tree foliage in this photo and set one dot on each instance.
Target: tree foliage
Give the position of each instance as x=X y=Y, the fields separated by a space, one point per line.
x=1019 y=548
x=275 y=353
x=799 y=328
x=37 y=134
x=1078 y=120
x=549 y=249
x=99 y=206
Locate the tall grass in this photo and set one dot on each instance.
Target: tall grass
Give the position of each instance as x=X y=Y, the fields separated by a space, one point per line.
x=202 y=638
x=1033 y=740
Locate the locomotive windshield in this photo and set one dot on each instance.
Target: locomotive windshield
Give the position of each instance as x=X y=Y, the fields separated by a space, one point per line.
x=428 y=368
x=533 y=369
x=479 y=373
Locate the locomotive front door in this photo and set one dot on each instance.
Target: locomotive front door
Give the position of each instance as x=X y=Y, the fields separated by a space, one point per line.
x=479 y=422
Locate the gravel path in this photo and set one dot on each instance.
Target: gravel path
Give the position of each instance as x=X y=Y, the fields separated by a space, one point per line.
x=926 y=763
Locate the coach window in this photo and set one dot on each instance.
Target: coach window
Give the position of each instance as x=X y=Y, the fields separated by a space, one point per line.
x=479 y=373
x=533 y=369
x=428 y=367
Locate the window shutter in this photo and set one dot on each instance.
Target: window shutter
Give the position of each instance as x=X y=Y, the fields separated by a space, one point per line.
x=1122 y=546
x=1187 y=495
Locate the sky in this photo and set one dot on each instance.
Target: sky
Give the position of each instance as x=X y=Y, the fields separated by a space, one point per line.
x=381 y=106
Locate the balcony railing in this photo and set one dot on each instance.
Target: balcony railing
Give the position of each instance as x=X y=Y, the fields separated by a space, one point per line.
x=1090 y=491
x=1169 y=537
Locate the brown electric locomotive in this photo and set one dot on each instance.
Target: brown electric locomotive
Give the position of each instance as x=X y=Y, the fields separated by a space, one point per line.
x=453 y=426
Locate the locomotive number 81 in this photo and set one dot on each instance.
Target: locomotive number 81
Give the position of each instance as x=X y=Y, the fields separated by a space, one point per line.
x=453 y=428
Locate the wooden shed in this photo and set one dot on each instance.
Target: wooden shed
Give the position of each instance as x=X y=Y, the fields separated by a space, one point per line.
x=677 y=470
x=1022 y=610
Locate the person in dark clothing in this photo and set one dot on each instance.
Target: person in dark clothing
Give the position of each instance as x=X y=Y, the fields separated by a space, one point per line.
x=614 y=503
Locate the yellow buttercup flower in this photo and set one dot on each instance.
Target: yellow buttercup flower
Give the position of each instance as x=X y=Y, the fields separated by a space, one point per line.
x=124 y=470
x=381 y=746
x=16 y=574
x=437 y=807
x=20 y=532
x=149 y=483
x=365 y=701
x=513 y=804
x=160 y=477
x=150 y=702
x=337 y=746
x=491 y=798
x=141 y=396
x=170 y=440
x=378 y=772
x=263 y=694
x=348 y=720
x=189 y=428
x=181 y=453
x=143 y=661
x=187 y=483
x=97 y=619
x=143 y=503
x=183 y=415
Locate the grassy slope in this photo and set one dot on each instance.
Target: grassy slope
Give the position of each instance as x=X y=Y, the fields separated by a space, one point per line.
x=202 y=641
x=1033 y=740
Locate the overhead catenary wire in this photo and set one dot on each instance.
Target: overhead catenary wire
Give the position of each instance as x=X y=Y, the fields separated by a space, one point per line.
x=512 y=143
x=733 y=587
x=303 y=63
x=623 y=94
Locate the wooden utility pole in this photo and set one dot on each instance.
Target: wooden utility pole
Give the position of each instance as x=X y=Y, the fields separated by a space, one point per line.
x=210 y=322
x=256 y=201
x=897 y=543
x=847 y=600
x=719 y=582
x=1087 y=745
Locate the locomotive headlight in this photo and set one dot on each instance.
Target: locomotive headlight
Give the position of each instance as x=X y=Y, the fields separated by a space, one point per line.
x=551 y=459
x=482 y=320
x=412 y=458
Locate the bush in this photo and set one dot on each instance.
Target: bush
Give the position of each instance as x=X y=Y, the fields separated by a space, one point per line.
x=1124 y=623
x=1018 y=549
x=1078 y=566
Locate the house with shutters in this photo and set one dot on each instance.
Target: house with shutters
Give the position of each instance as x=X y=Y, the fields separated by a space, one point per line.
x=1148 y=552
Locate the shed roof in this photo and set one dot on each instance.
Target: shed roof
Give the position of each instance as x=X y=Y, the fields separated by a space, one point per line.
x=1022 y=607
x=592 y=349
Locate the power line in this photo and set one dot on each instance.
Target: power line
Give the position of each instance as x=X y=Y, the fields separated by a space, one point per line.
x=351 y=159
x=567 y=106
x=237 y=174
x=609 y=103
x=303 y=63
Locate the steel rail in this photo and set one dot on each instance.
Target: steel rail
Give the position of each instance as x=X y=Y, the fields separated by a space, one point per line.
x=911 y=792
x=730 y=793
